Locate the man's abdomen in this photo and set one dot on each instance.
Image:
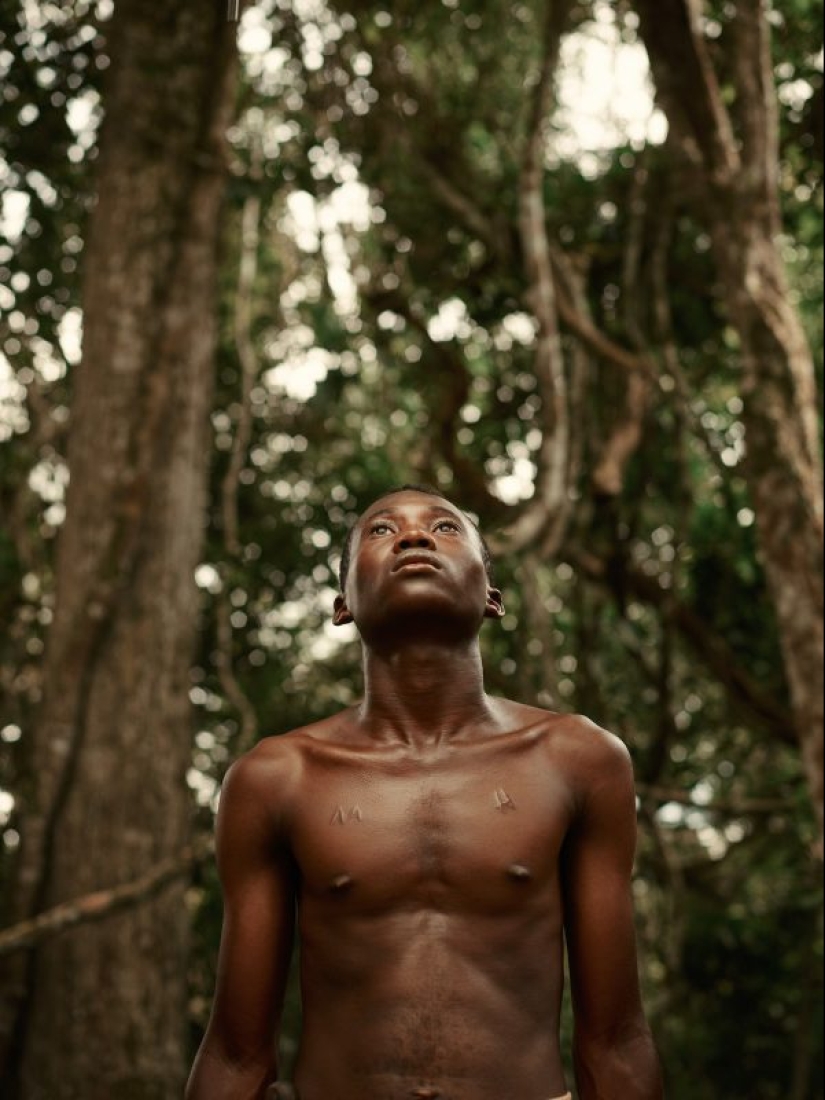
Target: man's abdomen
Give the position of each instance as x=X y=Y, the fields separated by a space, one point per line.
x=427 y=1006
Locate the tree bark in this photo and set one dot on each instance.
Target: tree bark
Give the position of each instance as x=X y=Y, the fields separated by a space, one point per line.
x=101 y=1012
x=549 y=512
x=733 y=154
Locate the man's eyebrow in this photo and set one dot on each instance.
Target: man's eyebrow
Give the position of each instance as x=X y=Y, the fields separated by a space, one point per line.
x=381 y=513
x=391 y=513
x=438 y=511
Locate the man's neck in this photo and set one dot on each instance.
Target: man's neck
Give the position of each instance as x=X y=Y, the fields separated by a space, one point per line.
x=424 y=694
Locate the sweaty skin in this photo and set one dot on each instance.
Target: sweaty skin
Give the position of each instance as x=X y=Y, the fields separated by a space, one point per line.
x=430 y=847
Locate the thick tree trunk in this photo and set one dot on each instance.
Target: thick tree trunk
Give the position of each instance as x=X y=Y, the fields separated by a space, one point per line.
x=733 y=156
x=100 y=1012
x=783 y=469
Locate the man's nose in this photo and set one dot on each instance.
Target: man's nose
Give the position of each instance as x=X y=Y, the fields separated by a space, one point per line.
x=414 y=539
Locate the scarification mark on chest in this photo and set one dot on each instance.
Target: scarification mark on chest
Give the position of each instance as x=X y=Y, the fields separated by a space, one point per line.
x=343 y=817
x=504 y=803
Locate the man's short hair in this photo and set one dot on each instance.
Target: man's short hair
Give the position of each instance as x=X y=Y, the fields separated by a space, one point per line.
x=427 y=490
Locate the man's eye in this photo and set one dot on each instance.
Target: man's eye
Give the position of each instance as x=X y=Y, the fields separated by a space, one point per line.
x=449 y=525
x=380 y=529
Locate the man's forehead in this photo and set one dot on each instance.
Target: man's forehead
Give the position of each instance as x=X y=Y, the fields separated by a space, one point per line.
x=396 y=503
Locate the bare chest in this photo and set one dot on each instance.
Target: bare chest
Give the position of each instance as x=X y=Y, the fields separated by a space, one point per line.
x=479 y=833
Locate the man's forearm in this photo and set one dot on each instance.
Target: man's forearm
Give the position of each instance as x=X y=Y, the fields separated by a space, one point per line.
x=625 y=1069
x=215 y=1077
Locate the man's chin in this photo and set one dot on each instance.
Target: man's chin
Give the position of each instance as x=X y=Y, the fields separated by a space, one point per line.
x=426 y=614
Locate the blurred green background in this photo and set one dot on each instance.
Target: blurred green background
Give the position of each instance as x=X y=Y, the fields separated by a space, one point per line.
x=376 y=327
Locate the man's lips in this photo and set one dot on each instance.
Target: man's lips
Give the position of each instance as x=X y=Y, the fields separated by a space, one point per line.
x=416 y=559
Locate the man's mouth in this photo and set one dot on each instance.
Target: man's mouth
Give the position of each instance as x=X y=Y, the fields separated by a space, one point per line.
x=407 y=561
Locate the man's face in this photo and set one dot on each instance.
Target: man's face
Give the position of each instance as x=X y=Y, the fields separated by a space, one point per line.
x=416 y=558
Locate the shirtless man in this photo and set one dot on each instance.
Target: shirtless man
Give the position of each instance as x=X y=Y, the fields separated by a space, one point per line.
x=433 y=846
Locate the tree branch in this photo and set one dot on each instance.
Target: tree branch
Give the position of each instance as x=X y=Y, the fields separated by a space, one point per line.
x=729 y=807
x=673 y=930
x=756 y=106
x=104 y=903
x=455 y=199
x=248 y=359
x=628 y=428
x=688 y=85
x=582 y=326
x=552 y=503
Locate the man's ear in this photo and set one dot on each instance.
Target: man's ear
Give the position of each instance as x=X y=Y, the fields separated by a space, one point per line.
x=342 y=615
x=495 y=605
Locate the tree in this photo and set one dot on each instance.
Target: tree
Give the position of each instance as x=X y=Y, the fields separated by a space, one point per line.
x=102 y=1013
x=730 y=146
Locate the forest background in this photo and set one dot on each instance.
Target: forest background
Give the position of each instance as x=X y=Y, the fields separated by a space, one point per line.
x=456 y=242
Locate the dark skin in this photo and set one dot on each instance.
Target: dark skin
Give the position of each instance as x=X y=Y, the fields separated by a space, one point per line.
x=433 y=845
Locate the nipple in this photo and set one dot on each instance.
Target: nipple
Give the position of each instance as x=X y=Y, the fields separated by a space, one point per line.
x=520 y=873
x=426 y=1093
x=342 y=883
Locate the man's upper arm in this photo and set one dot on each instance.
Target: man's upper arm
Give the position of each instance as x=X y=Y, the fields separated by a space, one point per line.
x=258 y=882
x=599 y=917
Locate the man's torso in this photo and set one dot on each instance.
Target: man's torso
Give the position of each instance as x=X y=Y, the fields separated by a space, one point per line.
x=430 y=910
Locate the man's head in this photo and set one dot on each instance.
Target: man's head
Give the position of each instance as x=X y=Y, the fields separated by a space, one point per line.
x=423 y=490
x=413 y=555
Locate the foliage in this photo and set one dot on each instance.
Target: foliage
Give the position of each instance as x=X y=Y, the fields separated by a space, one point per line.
x=389 y=316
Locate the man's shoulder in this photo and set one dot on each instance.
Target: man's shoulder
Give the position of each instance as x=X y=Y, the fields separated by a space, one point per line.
x=267 y=781
x=597 y=764
x=278 y=756
x=575 y=737
x=595 y=744
x=281 y=757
